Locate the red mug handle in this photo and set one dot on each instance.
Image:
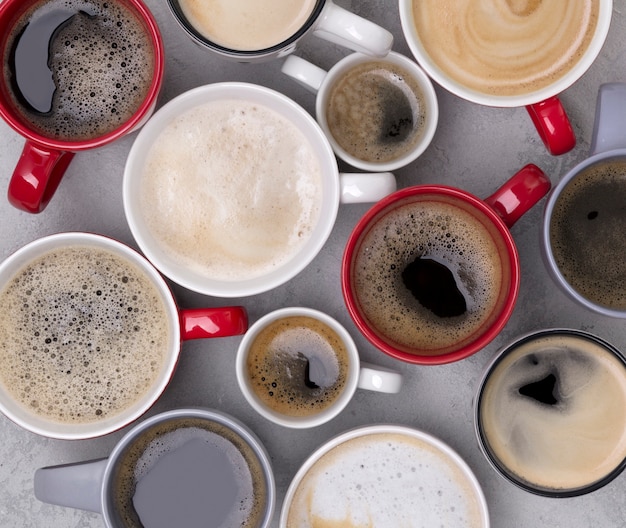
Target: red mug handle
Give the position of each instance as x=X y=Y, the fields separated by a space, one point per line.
x=225 y=321
x=553 y=125
x=519 y=194
x=36 y=176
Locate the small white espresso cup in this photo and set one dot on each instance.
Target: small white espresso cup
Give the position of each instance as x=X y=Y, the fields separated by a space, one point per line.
x=400 y=100
x=299 y=367
x=239 y=187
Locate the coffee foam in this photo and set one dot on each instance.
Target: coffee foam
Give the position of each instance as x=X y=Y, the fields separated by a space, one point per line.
x=505 y=47
x=247 y=25
x=385 y=479
x=573 y=443
x=83 y=335
x=231 y=190
x=102 y=64
x=376 y=111
x=438 y=230
x=587 y=230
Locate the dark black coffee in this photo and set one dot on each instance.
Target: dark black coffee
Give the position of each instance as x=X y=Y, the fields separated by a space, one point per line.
x=78 y=69
x=587 y=233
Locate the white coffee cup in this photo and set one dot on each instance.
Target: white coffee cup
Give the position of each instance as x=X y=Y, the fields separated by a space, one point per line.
x=320 y=82
x=336 y=188
x=285 y=337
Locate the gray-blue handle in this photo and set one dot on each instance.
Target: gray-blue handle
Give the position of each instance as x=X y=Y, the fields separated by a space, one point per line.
x=609 y=132
x=73 y=485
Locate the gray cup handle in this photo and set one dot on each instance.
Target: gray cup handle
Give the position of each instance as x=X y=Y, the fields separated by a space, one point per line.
x=72 y=485
x=609 y=132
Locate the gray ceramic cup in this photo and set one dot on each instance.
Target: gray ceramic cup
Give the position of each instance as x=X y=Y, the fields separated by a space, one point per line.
x=122 y=487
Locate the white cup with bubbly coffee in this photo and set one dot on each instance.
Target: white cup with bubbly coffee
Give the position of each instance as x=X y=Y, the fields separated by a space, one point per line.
x=231 y=189
x=378 y=113
x=509 y=54
x=299 y=367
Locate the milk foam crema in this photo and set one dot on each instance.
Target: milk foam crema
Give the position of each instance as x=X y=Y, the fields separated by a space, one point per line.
x=505 y=47
x=247 y=25
x=231 y=190
x=83 y=335
x=385 y=480
x=572 y=433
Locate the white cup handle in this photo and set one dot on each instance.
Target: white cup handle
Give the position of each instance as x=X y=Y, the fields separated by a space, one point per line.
x=379 y=379
x=608 y=130
x=345 y=28
x=304 y=73
x=366 y=187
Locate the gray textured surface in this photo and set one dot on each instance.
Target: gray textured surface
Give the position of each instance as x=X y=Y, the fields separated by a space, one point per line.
x=475 y=148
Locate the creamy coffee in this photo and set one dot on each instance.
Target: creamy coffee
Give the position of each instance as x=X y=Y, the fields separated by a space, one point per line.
x=189 y=472
x=552 y=411
x=231 y=190
x=385 y=479
x=376 y=111
x=586 y=233
x=297 y=366
x=247 y=25
x=505 y=47
x=428 y=275
x=84 y=334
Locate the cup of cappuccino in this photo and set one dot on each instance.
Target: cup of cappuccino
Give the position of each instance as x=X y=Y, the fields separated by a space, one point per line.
x=384 y=475
x=550 y=414
x=186 y=467
x=584 y=218
x=252 y=31
x=90 y=335
x=231 y=189
x=430 y=274
x=509 y=54
x=76 y=75
x=378 y=113
x=299 y=368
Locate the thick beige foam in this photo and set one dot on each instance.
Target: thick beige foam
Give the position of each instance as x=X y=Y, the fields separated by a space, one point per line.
x=247 y=25
x=83 y=335
x=231 y=190
x=385 y=480
x=505 y=47
x=565 y=446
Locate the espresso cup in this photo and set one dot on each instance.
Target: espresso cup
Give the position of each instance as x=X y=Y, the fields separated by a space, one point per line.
x=430 y=274
x=385 y=475
x=91 y=335
x=299 y=368
x=550 y=412
x=249 y=31
x=186 y=467
x=509 y=54
x=231 y=189
x=378 y=114
x=584 y=220
x=65 y=98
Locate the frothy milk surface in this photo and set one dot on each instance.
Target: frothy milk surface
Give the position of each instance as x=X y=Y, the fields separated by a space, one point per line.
x=575 y=437
x=231 y=189
x=83 y=335
x=385 y=480
x=247 y=25
x=505 y=47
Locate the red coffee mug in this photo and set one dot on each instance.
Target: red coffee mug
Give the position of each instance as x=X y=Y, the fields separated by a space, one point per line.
x=45 y=156
x=375 y=263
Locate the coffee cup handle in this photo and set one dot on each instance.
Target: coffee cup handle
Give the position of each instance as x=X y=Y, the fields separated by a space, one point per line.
x=76 y=485
x=553 y=125
x=37 y=176
x=304 y=73
x=200 y=323
x=609 y=132
x=519 y=194
x=379 y=379
x=365 y=187
x=340 y=26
